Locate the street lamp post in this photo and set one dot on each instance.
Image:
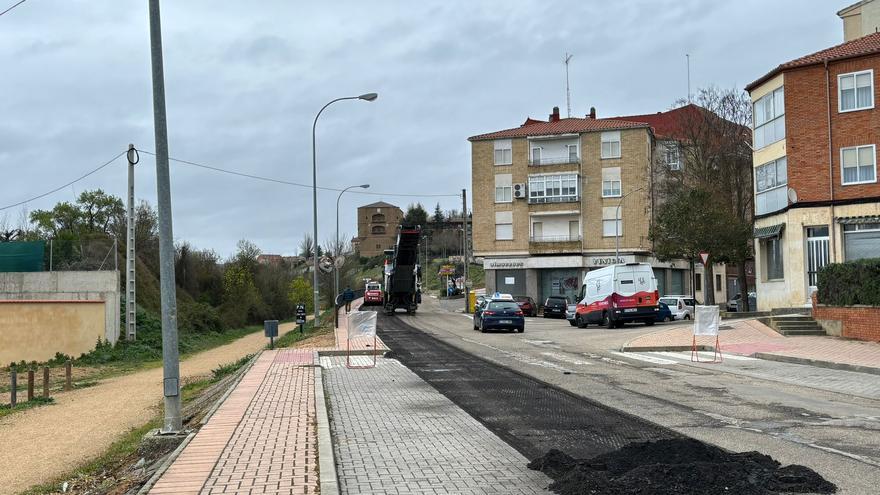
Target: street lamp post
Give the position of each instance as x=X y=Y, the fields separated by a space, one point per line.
x=336 y=246
x=617 y=224
x=365 y=97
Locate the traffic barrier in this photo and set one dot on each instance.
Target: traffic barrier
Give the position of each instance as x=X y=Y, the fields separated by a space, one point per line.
x=706 y=322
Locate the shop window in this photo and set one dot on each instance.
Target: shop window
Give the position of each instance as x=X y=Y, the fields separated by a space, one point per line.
x=861 y=241
x=772 y=252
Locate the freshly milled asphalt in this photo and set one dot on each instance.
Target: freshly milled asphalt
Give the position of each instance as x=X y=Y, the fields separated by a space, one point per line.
x=531 y=416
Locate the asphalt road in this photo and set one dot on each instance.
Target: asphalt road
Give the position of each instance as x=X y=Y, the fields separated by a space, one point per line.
x=797 y=414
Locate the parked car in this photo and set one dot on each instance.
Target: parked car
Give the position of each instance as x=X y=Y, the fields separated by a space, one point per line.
x=733 y=304
x=617 y=294
x=570 y=314
x=500 y=314
x=555 y=306
x=528 y=305
x=664 y=314
x=682 y=307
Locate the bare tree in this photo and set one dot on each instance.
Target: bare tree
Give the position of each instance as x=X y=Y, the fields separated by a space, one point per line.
x=715 y=157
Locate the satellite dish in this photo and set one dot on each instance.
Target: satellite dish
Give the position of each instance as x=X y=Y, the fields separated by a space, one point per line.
x=792 y=195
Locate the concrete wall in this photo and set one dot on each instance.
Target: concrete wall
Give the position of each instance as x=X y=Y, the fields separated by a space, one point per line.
x=36 y=330
x=98 y=286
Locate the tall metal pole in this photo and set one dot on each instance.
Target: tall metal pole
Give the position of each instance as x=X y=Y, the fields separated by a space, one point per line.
x=464 y=245
x=170 y=357
x=130 y=300
x=336 y=246
x=567 y=90
x=365 y=97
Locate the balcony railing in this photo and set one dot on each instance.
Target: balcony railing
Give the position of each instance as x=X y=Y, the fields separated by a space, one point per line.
x=553 y=160
x=553 y=199
x=555 y=238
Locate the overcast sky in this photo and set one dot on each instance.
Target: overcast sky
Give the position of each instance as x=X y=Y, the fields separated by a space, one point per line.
x=245 y=79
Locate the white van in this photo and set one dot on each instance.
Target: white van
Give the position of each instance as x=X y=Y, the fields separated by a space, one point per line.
x=616 y=294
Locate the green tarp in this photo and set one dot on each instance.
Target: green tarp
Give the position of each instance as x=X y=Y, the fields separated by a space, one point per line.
x=22 y=256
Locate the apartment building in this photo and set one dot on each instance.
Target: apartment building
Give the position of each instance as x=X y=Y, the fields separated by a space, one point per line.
x=860 y=19
x=553 y=199
x=377 y=228
x=817 y=200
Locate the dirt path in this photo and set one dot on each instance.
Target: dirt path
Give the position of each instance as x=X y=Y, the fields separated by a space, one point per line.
x=41 y=444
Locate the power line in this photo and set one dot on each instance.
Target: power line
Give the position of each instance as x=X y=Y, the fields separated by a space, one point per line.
x=14 y=6
x=297 y=184
x=65 y=185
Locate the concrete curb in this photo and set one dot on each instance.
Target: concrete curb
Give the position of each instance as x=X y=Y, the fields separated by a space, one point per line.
x=326 y=462
x=818 y=363
x=668 y=348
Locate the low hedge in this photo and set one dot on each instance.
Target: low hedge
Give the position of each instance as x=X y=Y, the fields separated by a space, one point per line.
x=850 y=283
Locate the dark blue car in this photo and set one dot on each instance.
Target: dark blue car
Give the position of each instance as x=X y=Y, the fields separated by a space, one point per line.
x=664 y=314
x=500 y=314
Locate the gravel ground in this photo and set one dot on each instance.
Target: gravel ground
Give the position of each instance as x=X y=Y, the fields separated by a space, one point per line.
x=45 y=443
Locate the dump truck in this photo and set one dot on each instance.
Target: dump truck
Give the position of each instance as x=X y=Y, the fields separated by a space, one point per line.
x=402 y=272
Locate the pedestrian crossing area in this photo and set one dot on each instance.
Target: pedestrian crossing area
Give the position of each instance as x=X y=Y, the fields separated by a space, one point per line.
x=672 y=358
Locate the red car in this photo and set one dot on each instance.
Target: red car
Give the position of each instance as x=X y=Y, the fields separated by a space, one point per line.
x=527 y=305
x=373 y=294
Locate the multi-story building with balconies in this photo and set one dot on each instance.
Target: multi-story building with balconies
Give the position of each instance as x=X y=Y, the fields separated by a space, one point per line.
x=377 y=228
x=554 y=199
x=817 y=200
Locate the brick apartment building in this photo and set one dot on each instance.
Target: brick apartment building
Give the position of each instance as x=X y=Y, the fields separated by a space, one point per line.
x=817 y=200
x=545 y=202
x=377 y=228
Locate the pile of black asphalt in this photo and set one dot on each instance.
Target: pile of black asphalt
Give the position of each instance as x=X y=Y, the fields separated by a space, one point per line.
x=677 y=467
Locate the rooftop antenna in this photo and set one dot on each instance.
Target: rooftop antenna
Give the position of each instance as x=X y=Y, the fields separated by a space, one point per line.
x=688 y=56
x=567 y=90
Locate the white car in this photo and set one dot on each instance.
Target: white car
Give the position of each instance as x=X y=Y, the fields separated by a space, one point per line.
x=682 y=307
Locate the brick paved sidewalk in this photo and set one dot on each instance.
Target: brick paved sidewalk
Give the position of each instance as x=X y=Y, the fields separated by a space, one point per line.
x=749 y=337
x=262 y=439
x=395 y=434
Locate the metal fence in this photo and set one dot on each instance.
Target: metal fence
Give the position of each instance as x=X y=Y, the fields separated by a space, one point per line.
x=82 y=254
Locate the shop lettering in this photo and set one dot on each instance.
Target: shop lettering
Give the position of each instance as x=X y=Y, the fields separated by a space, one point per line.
x=507 y=264
x=607 y=261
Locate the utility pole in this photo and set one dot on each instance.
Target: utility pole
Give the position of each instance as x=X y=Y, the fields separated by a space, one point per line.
x=464 y=244
x=567 y=90
x=170 y=357
x=130 y=301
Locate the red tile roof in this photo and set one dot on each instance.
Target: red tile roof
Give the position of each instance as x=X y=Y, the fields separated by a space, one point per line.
x=666 y=125
x=533 y=127
x=866 y=45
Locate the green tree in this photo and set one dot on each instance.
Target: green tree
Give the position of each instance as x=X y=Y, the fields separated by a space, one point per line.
x=415 y=215
x=438 y=216
x=301 y=293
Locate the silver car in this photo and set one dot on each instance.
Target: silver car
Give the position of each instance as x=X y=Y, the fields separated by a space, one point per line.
x=570 y=314
x=681 y=307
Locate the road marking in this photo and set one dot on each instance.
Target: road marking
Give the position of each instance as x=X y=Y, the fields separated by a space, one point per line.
x=644 y=357
x=523 y=358
x=566 y=359
x=686 y=356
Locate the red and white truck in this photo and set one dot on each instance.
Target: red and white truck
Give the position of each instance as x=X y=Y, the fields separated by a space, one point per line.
x=373 y=294
x=616 y=294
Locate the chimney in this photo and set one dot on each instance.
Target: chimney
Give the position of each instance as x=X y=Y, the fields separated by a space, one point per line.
x=592 y=112
x=554 y=117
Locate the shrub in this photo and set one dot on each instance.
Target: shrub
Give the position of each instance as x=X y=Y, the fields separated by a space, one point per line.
x=850 y=283
x=199 y=318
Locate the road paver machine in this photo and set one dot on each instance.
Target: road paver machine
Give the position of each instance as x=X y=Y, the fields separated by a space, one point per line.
x=403 y=275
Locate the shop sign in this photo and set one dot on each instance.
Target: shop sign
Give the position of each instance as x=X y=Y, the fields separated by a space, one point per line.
x=506 y=264
x=609 y=260
x=447 y=270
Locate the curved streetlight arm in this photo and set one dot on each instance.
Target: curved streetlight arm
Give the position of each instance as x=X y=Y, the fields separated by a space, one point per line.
x=336 y=248
x=617 y=223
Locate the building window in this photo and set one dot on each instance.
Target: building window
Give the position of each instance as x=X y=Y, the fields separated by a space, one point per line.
x=698 y=281
x=855 y=91
x=611 y=182
x=378 y=218
x=611 y=144
x=572 y=153
x=861 y=241
x=503 y=188
x=772 y=250
x=536 y=156
x=672 y=156
x=612 y=225
x=503 y=225
x=378 y=229
x=771 y=193
x=503 y=152
x=858 y=164
x=769 y=115
x=553 y=188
